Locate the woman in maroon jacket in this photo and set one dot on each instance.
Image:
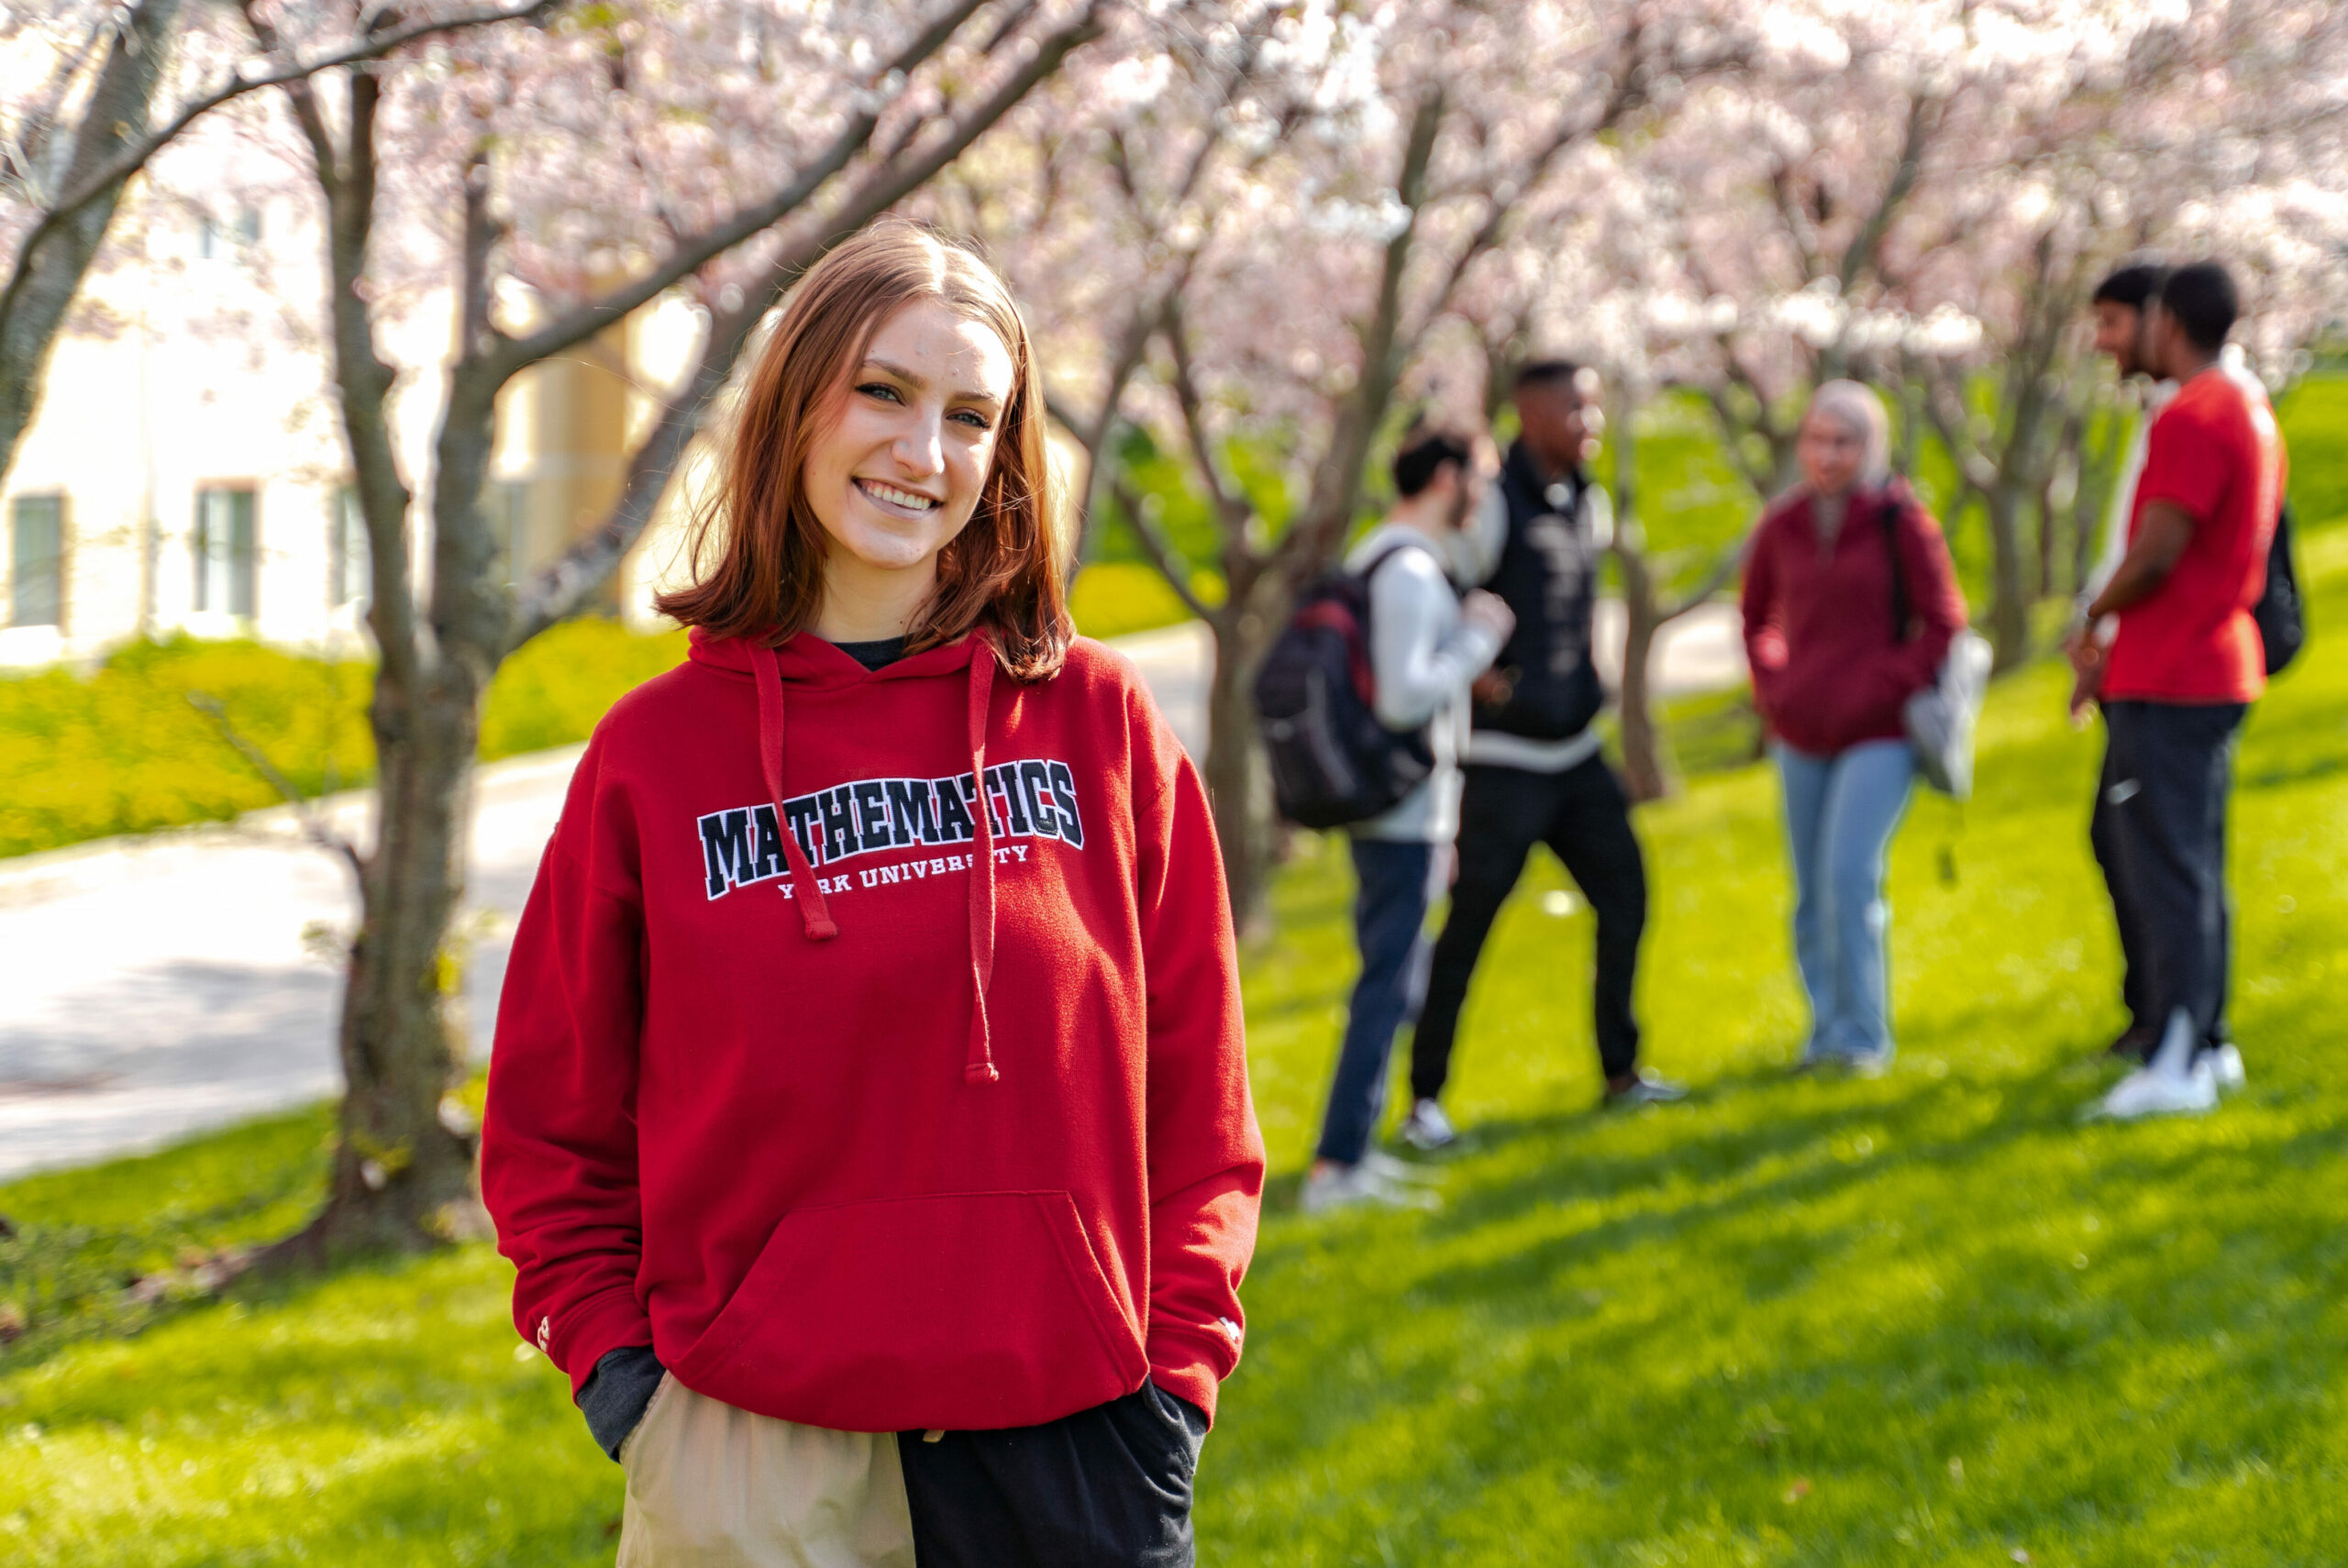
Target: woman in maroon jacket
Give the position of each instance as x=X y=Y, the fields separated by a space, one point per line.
x=869 y=1123
x=1832 y=669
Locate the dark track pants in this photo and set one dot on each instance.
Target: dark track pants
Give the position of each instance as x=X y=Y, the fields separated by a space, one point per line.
x=1107 y=1488
x=2159 y=830
x=1585 y=818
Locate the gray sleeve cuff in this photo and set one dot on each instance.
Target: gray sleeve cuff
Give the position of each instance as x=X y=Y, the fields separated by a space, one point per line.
x=617 y=1392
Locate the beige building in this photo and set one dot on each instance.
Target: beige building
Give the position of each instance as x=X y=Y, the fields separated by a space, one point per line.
x=186 y=472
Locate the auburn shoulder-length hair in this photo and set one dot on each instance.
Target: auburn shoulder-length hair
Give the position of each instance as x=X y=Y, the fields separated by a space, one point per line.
x=757 y=548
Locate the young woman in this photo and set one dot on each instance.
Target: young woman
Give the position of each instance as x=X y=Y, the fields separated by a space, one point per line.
x=1830 y=568
x=868 y=1117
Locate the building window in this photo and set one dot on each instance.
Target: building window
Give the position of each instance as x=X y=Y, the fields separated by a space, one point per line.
x=351 y=563
x=215 y=239
x=225 y=555
x=37 y=560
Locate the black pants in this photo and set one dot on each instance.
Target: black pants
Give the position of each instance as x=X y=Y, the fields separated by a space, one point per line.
x=1585 y=818
x=1107 y=1488
x=2159 y=831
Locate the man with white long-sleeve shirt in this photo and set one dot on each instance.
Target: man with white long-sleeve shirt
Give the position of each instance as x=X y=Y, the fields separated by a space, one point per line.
x=1426 y=646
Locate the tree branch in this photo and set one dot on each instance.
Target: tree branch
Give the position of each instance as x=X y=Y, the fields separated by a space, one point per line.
x=137 y=156
x=1336 y=481
x=1628 y=93
x=1228 y=507
x=1161 y=550
x=1867 y=245
x=515 y=354
x=557 y=591
x=314 y=826
x=1724 y=567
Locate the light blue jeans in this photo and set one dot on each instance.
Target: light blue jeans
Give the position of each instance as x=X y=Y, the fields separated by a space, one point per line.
x=1841 y=811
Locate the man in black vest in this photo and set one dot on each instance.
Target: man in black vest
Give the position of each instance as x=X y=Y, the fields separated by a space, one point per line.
x=1534 y=772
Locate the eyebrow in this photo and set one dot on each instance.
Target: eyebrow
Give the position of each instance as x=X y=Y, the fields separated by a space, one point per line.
x=920 y=383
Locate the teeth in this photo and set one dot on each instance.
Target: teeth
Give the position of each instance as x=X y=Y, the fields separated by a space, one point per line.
x=900 y=497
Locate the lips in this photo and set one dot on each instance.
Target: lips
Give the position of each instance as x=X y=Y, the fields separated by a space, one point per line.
x=906 y=500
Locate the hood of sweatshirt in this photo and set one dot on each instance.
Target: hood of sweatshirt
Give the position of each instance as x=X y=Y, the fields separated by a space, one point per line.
x=870 y=1045
x=811 y=663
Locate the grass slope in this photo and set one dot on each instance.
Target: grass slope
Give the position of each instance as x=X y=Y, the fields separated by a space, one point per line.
x=1925 y=1320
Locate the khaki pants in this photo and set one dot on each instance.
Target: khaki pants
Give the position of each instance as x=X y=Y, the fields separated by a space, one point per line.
x=713 y=1486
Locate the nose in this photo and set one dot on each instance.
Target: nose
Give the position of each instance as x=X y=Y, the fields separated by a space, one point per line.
x=920 y=446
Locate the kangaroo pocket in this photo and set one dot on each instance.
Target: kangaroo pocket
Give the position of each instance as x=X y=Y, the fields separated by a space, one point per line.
x=959 y=1310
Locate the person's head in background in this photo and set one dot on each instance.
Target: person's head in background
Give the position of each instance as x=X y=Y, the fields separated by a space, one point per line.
x=1845 y=440
x=1438 y=477
x=1556 y=407
x=2198 y=306
x=2121 y=304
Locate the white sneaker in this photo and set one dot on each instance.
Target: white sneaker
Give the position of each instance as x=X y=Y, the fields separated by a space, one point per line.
x=2150 y=1091
x=1427 y=1127
x=1386 y=1167
x=1356 y=1187
x=2225 y=1066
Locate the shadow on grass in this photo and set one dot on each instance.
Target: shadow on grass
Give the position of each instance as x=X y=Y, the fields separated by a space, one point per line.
x=1756 y=1319
x=378 y=1414
x=84 y=1237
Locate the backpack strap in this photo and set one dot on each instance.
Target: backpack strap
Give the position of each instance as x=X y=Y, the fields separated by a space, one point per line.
x=1396 y=548
x=1888 y=516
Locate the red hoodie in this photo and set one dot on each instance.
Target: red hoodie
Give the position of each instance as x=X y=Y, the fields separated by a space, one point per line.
x=1827 y=673
x=913 y=1115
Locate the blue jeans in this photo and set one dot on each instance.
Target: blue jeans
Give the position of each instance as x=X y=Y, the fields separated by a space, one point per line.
x=1841 y=811
x=1393 y=887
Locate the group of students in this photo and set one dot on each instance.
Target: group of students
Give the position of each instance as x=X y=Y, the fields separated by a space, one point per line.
x=1851 y=607
x=869 y=1123
x=1504 y=683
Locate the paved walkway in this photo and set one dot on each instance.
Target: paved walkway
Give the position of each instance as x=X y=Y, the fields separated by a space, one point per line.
x=160 y=984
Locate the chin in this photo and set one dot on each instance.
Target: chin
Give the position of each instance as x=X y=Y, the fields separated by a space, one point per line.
x=887 y=554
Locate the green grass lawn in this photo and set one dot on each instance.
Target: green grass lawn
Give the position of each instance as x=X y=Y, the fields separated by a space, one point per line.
x=1926 y=1319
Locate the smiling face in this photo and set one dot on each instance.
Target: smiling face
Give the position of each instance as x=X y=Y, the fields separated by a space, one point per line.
x=2119 y=332
x=1831 y=452
x=898 y=468
x=1561 y=420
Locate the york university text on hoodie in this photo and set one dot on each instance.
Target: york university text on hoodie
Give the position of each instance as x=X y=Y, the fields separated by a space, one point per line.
x=872 y=1047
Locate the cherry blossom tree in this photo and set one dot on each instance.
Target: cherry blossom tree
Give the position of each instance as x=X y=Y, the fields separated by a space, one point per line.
x=83 y=90
x=1922 y=195
x=1304 y=200
x=554 y=183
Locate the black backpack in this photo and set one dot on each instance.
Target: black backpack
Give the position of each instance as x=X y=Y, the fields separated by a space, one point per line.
x=2280 y=612
x=1333 y=763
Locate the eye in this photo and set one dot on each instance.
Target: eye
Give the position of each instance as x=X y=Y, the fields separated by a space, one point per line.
x=880 y=389
x=971 y=417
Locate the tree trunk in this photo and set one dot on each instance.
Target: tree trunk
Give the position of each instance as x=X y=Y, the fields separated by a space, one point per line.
x=403 y=1176
x=1648 y=770
x=1237 y=781
x=2008 y=596
x=48 y=274
x=1646 y=762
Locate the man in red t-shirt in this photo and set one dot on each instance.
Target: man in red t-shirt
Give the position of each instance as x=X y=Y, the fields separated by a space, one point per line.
x=2184 y=664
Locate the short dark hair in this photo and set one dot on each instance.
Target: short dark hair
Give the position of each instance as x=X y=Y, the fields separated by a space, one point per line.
x=2135 y=285
x=1423 y=453
x=1547 y=373
x=2203 y=299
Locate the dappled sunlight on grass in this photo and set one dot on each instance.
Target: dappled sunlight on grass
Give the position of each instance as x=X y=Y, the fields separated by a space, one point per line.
x=1928 y=1317
x=385 y=1417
